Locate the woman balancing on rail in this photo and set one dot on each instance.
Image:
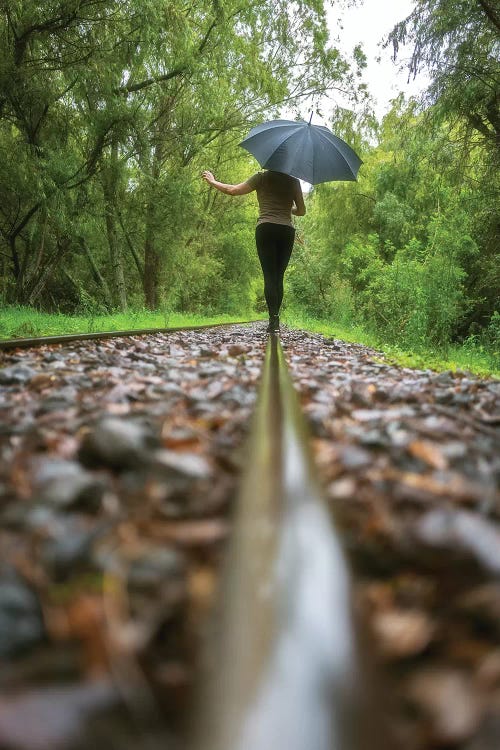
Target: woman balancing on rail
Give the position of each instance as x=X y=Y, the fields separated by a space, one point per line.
x=279 y=197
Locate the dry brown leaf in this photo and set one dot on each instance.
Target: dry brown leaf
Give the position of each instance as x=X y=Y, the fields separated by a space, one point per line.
x=189 y=533
x=429 y=453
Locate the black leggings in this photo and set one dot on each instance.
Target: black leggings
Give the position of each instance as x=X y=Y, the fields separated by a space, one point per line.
x=274 y=247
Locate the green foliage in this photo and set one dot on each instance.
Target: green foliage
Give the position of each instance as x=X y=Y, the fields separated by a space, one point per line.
x=21 y=322
x=466 y=358
x=109 y=112
x=411 y=248
x=457 y=42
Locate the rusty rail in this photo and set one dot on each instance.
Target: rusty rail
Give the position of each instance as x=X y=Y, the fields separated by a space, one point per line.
x=67 y=338
x=282 y=662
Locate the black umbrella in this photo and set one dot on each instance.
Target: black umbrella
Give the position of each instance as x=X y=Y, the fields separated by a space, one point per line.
x=309 y=152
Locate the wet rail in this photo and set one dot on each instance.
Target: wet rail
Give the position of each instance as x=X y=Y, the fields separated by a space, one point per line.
x=26 y=343
x=282 y=666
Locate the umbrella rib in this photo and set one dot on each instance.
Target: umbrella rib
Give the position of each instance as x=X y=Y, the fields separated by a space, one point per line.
x=290 y=135
x=326 y=138
x=339 y=146
x=250 y=137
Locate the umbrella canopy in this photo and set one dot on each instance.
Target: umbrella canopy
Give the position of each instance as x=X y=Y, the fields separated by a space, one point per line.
x=309 y=152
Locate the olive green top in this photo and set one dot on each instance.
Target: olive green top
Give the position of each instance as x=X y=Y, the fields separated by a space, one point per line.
x=276 y=193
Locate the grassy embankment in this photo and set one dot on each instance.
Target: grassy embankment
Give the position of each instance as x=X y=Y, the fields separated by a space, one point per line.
x=16 y=322
x=22 y=322
x=477 y=360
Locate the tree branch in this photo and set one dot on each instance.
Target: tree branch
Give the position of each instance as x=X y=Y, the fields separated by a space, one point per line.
x=491 y=13
x=131 y=87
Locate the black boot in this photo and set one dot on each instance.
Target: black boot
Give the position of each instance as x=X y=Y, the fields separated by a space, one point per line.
x=274 y=324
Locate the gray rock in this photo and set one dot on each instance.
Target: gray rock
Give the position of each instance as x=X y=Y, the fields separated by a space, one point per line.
x=117 y=443
x=462 y=532
x=444 y=378
x=155 y=567
x=65 y=484
x=183 y=464
x=17 y=374
x=442 y=396
x=59 y=400
x=70 y=550
x=353 y=457
x=21 y=625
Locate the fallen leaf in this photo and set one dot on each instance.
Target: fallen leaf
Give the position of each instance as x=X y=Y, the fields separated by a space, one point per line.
x=429 y=453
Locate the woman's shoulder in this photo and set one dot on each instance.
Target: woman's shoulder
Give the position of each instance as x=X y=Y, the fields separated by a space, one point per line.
x=255 y=180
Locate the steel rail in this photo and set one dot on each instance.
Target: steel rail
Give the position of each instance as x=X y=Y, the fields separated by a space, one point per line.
x=69 y=337
x=281 y=666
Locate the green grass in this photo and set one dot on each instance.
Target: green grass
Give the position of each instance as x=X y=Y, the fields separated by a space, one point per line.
x=23 y=322
x=477 y=361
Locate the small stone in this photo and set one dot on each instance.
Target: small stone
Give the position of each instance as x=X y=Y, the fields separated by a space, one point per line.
x=188 y=465
x=70 y=550
x=236 y=349
x=17 y=374
x=462 y=532
x=449 y=702
x=353 y=457
x=64 y=484
x=454 y=450
x=444 y=378
x=374 y=437
x=206 y=353
x=402 y=633
x=155 y=567
x=21 y=624
x=342 y=488
x=58 y=400
x=117 y=443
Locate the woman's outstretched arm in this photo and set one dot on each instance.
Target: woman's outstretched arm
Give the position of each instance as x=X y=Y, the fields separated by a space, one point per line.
x=241 y=189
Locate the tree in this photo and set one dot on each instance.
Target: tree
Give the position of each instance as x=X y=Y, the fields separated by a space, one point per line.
x=120 y=98
x=457 y=41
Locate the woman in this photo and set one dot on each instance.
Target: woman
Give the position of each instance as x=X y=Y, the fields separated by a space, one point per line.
x=279 y=197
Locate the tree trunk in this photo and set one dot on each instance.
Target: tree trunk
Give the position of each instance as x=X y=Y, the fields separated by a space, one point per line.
x=38 y=282
x=151 y=261
x=110 y=177
x=151 y=255
x=98 y=277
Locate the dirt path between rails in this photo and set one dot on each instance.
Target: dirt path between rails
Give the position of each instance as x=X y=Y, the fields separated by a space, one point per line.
x=118 y=466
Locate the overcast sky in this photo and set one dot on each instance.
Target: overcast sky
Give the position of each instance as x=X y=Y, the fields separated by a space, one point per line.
x=367 y=25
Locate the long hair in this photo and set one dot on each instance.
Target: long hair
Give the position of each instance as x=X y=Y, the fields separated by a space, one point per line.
x=278 y=182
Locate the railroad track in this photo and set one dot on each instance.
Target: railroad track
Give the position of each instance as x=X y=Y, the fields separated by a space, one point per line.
x=28 y=343
x=285 y=649
x=283 y=664
x=288 y=672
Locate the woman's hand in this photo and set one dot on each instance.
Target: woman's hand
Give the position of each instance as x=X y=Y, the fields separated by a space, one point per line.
x=241 y=189
x=208 y=177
